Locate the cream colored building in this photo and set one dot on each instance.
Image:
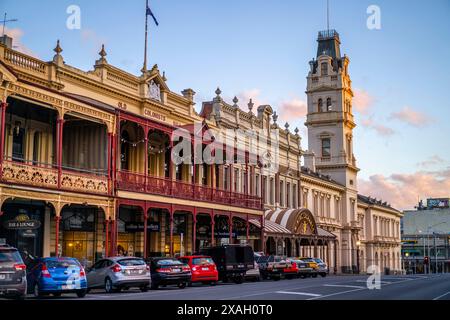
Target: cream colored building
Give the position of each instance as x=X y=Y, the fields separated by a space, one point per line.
x=87 y=156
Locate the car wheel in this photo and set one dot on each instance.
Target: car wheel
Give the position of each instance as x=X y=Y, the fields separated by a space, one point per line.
x=264 y=276
x=213 y=283
x=323 y=275
x=20 y=297
x=57 y=294
x=225 y=280
x=37 y=292
x=182 y=285
x=238 y=280
x=109 y=288
x=314 y=275
x=81 y=293
x=144 y=288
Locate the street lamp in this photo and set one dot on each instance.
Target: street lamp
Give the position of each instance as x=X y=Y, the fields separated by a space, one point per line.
x=435 y=247
x=358 y=244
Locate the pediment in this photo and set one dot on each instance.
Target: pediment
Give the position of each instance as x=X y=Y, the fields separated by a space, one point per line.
x=6 y=74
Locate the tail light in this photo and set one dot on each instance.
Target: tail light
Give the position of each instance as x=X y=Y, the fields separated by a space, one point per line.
x=164 y=270
x=215 y=267
x=147 y=267
x=116 y=268
x=194 y=268
x=44 y=271
x=186 y=269
x=294 y=265
x=82 y=273
x=20 y=267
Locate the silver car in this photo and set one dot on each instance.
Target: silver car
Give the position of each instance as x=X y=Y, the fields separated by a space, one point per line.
x=117 y=273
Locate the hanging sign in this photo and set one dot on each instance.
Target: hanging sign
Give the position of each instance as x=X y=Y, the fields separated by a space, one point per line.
x=22 y=222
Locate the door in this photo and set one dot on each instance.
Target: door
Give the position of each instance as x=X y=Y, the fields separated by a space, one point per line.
x=93 y=274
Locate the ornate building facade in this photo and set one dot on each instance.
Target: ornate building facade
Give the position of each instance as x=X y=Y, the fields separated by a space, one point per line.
x=87 y=167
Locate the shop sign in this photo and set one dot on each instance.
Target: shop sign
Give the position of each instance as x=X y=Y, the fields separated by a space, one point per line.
x=28 y=233
x=139 y=227
x=22 y=222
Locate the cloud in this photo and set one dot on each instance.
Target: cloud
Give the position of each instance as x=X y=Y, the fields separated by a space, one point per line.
x=381 y=129
x=292 y=110
x=362 y=101
x=412 y=117
x=403 y=190
x=431 y=162
x=17 y=35
x=245 y=96
x=91 y=38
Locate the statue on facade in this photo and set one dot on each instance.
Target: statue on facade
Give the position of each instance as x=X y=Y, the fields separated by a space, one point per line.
x=154 y=91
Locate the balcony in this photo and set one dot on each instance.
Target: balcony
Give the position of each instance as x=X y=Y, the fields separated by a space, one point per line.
x=135 y=182
x=47 y=176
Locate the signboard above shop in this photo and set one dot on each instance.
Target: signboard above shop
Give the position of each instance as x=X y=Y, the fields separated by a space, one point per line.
x=139 y=227
x=22 y=222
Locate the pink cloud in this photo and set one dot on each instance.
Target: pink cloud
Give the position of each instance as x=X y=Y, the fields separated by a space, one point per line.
x=292 y=110
x=412 y=117
x=362 y=101
x=431 y=161
x=245 y=96
x=403 y=190
x=382 y=130
x=17 y=35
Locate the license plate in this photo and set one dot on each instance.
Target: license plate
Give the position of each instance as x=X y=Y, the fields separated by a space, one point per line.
x=133 y=271
x=2 y=276
x=68 y=287
x=176 y=270
x=205 y=269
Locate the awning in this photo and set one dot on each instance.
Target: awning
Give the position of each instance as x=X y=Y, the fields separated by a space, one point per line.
x=271 y=227
x=324 y=233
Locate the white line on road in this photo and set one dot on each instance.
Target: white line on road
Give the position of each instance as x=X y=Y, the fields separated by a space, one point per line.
x=441 y=296
x=300 y=293
x=343 y=286
x=382 y=282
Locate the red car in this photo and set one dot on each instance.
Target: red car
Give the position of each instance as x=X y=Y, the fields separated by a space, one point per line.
x=291 y=271
x=203 y=269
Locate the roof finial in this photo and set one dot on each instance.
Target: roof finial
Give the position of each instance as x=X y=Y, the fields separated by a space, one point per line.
x=286 y=125
x=250 y=105
x=102 y=54
x=235 y=101
x=275 y=117
x=58 y=48
x=57 y=58
x=218 y=92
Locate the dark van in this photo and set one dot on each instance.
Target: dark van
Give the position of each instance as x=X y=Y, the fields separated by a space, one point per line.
x=232 y=261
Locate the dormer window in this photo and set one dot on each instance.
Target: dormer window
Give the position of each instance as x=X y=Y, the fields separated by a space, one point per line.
x=329 y=104
x=324 y=68
x=320 y=105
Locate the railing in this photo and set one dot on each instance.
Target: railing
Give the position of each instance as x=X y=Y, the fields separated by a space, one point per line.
x=26 y=62
x=46 y=176
x=136 y=182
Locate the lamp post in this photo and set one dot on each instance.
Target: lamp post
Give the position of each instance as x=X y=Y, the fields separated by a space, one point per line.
x=428 y=242
x=358 y=244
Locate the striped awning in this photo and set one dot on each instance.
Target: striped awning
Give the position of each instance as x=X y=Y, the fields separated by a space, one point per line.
x=271 y=227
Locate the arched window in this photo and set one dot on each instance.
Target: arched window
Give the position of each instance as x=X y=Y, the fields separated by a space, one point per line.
x=329 y=104
x=320 y=105
x=124 y=151
x=324 y=68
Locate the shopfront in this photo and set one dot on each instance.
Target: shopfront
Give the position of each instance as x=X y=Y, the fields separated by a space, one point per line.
x=22 y=225
x=83 y=233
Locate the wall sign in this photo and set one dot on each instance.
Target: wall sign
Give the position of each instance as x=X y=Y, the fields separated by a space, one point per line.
x=22 y=222
x=139 y=227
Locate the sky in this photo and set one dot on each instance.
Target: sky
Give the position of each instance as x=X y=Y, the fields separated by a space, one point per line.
x=260 y=49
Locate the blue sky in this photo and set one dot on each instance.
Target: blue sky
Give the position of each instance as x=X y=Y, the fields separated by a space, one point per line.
x=262 y=47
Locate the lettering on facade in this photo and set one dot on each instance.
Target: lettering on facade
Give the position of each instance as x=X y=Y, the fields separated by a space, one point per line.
x=155 y=115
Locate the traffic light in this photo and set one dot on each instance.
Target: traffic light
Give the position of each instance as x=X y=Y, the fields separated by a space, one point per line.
x=426 y=260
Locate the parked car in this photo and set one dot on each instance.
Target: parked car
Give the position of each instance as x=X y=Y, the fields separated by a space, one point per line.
x=203 y=269
x=169 y=271
x=117 y=273
x=272 y=267
x=13 y=280
x=322 y=267
x=291 y=270
x=232 y=261
x=254 y=274
x=313 y=265
x=56 y=276
x=303 y=269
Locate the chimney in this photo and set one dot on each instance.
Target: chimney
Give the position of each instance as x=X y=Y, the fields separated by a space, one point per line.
x=7 y=41
x=310 y=161
x=188 y=94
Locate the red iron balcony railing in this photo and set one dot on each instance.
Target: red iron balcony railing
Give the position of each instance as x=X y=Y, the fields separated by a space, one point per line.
x=135 y=182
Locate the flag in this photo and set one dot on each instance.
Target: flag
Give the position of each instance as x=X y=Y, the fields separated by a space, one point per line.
x=150 y=13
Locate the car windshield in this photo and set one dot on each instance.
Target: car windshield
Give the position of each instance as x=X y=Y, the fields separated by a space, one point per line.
x=61 y=263
x=200 y=261
x=131 y=262
x=10 y=256
x=167 y=262
x=318 y=260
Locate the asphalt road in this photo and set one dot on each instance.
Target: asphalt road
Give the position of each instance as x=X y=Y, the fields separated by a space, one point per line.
x=406 y=287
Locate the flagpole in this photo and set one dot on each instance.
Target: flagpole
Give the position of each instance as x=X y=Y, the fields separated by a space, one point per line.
x=144 y=68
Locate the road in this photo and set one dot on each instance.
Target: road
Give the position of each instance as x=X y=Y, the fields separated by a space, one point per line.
x=405 y=287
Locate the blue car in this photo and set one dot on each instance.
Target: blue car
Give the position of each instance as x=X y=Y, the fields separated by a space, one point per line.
x=56 y=276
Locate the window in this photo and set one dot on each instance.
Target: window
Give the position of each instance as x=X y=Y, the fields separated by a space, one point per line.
x=320 y=105
x=217 y=174
x=18 y=142
x=324 y=68
x=282 y=193
x=329 y=104
x=226 y=172
x=326 y=148
x=257 y=185
x=204 y=174
x=245 y=178
x=271 y=191
x=288 y=195
x=294 y=194
x=124 y=151
x=264 y=182
x=36 y=146
x=236 y=180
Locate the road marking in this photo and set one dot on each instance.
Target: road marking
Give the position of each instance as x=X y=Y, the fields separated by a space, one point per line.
x=441 y=296
x=300 y=293
x=343 y=286
x=382 y=282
